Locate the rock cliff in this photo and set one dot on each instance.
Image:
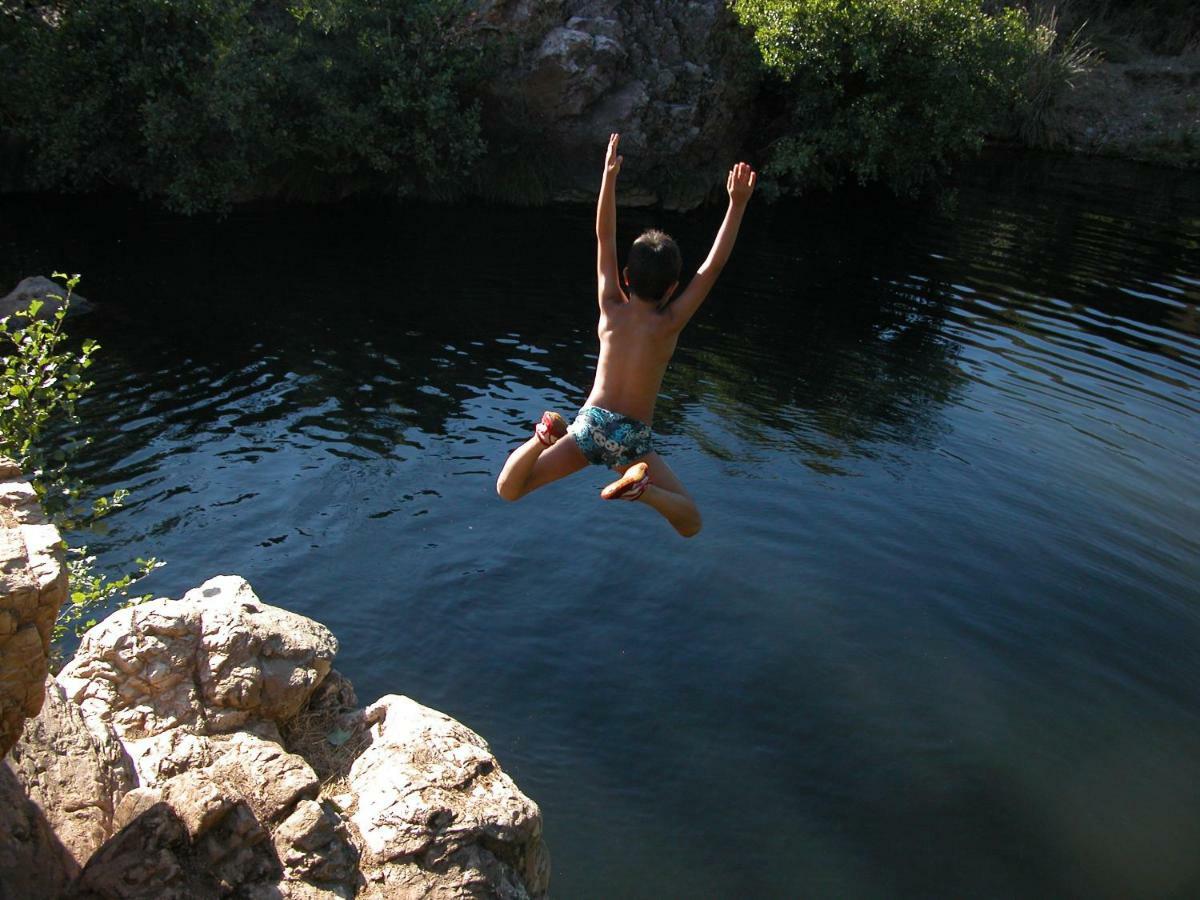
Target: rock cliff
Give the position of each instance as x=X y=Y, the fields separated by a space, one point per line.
x=205 y=747
x=672 y=77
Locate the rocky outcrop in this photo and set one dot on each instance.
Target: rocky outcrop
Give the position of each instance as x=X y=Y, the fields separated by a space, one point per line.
x=432 y=804
x=674 y=77
x=33 y=584
x=76 y=772
x=38 y=287
x=217 y=660
x=216 y=753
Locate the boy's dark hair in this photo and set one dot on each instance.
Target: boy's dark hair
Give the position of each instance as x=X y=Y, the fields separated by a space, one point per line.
x=654 y=264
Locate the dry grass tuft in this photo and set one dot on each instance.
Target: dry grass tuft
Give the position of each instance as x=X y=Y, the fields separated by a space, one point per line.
x=330 y=733
x=1055 y=67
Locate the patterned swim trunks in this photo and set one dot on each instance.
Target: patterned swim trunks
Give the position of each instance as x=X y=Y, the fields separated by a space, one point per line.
x=609 y=438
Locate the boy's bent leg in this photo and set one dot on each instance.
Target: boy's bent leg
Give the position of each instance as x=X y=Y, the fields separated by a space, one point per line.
x=666 y=495
x=533 y=465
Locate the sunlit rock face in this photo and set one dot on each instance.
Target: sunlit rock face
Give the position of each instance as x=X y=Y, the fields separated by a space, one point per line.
x=674 y=78
x=431 y=802
x=33 y=585
x=214 y=661
x=205 y=747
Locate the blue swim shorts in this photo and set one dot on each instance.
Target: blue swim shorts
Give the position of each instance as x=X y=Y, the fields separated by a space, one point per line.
x=609 y=438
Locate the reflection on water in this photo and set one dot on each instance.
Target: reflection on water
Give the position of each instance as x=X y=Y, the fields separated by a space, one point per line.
x=939 y=635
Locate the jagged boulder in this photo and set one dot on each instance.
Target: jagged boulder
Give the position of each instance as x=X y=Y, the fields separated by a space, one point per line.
x=159 y=857
x=676 y=78
x=214 y=661
x=436 y=814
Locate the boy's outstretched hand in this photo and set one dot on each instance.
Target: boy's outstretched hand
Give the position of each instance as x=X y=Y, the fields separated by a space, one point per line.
x=740 y=183
x=612 y=162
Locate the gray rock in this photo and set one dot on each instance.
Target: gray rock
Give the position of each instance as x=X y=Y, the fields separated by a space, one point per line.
x=194 y=837
x=314 y=846
x=200 y=801
x=249 y=808
x=146 y=860
x=270 y=780
x=133 y=804
x=38 y=287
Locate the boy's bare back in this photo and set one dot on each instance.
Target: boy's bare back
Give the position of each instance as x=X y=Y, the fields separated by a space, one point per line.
x=638 y=334
x=637 y=341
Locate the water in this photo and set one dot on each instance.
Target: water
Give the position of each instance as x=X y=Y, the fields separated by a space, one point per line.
x=939 y=636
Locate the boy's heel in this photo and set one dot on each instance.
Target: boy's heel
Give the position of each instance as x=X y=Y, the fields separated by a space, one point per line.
x=551 y=428
x=630 y=485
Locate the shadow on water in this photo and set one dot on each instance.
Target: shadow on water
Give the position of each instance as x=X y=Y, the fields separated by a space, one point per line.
x=945 y=457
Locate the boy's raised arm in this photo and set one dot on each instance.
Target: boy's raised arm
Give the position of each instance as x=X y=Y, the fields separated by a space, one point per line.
x=740 y=185
x=608 y=276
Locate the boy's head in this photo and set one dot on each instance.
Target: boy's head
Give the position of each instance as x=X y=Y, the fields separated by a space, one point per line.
x=652 y=270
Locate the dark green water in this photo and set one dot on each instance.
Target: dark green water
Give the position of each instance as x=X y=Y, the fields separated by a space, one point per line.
x=941 y=634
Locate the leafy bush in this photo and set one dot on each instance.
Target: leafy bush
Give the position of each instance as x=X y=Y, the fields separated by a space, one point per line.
x=199 y=102
x=884 y=90
x=90 y=592
x=41 y=380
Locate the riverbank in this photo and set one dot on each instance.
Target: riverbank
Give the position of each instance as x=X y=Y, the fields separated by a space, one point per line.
x=1146 y=110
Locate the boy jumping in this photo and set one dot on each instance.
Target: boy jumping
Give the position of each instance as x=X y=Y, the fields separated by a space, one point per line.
x=638 y=333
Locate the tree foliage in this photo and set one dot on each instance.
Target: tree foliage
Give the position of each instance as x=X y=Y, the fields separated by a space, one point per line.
x=199 y=102
x=884 y=90
x=42 y=377
x=39 y=377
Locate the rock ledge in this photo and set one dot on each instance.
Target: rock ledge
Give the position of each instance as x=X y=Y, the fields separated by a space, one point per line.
x=205 y=747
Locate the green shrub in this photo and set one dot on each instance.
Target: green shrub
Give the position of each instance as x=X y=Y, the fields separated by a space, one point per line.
x=887 y=91
x=41 y=380
x=89 y=593
x=200 y=102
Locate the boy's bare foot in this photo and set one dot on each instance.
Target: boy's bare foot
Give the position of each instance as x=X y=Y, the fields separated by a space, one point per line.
x=551 y=428
x=630 y=485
